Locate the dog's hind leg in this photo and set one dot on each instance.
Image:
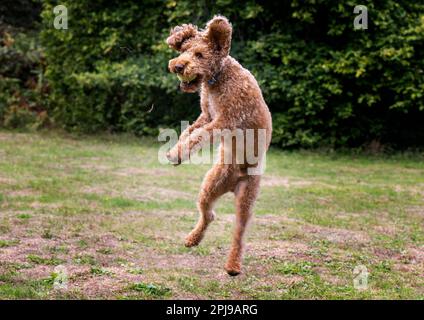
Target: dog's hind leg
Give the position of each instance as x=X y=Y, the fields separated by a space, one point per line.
x=246 y=192
x=215 y=184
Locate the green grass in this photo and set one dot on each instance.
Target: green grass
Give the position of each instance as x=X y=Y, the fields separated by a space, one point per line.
x=85 y=259
x=8 y=243
x=150 y=290
x=105 y=209
x=44 y=261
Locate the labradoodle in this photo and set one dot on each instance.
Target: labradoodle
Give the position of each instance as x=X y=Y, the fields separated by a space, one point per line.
x=230 y=100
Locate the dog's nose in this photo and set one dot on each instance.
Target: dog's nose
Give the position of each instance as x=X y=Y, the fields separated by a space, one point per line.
x=179 y=68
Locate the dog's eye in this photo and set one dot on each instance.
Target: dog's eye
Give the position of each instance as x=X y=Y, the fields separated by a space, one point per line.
x=199 y=55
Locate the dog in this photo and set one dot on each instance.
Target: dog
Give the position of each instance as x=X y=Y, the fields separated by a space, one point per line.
x=230 y=99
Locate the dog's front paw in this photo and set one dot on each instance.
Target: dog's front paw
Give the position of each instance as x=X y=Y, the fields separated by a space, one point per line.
x=174 y=156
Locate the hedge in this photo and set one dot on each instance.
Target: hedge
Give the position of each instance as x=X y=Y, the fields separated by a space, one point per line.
x=325 y=83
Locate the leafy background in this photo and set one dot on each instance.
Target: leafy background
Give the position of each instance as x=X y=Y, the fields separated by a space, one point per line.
x=325 y=83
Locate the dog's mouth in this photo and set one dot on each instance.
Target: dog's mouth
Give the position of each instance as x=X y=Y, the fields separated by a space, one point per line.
x=189 y=83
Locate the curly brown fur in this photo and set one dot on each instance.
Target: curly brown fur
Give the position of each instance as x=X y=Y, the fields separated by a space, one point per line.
x=230 y=98
x=179 y=34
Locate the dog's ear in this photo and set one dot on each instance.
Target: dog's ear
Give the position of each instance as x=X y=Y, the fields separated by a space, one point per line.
x=218 y=31
x=179 y=34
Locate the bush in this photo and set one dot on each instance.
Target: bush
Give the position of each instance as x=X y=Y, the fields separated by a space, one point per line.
x=324 y=82
x=23 y=89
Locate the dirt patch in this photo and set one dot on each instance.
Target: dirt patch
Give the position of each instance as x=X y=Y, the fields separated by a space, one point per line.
x=113 y=282
x=272 y=220
x=164 y=193
x=134 y=171
x=151 y=259
x=386 y=229
x=276 y=181
x=140 y=193
x=385 y=253
x=416 y=210
x=332 y=279
x=27 y=246
x=6 y=180
x=281 y=250
x=337 y=235
x=5 y=137
x=411 y=261
x=415 y=255
x=37 y=272
x=39 y=205
x=23 y=193
x=418 y=189
x=96 y=167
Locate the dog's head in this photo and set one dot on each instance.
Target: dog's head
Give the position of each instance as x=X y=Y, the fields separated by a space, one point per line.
x=201 y=51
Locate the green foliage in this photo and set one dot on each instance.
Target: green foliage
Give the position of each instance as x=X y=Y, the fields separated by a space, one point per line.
x=324 y=82
x=297 y=268
x=40 y=260
x=23 y=88
x=109 y=68
x=8 y=243
x=151 y=290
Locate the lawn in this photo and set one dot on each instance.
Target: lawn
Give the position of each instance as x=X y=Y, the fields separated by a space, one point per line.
x=115 y=220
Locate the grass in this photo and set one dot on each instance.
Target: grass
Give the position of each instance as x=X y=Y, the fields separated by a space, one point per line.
x=115 y=219
x=150 y=290
x=8 y=243
x=44 y=261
